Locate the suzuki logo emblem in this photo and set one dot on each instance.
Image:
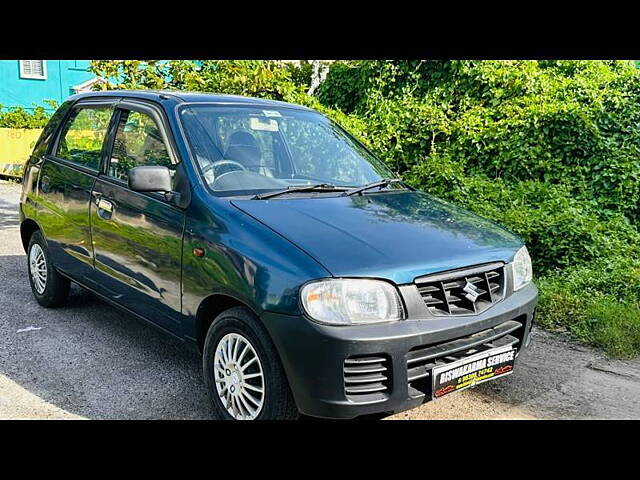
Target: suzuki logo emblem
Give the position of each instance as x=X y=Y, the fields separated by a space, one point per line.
x=472 y=292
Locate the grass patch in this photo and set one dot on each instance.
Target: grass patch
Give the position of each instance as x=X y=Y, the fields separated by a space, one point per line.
x=596 y=319
x=612 y=326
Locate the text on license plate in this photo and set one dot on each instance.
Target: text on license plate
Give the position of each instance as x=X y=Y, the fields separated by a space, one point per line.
x=465 y=373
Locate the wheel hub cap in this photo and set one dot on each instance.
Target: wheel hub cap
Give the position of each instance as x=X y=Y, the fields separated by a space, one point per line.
x=38 y=268
x=239 y=377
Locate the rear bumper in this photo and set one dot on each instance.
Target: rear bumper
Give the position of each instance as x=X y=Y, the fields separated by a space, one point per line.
x=314 y=355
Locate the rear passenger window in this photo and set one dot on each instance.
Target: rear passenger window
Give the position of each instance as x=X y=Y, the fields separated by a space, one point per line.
x=138 y=142
x=83 y=135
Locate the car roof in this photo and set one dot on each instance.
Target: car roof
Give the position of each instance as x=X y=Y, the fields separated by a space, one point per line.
x=189 y=97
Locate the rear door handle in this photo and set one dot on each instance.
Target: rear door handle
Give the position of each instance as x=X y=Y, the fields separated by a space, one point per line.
x=44 y=184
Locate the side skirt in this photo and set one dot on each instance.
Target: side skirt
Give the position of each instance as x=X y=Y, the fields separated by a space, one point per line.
x=130 y=312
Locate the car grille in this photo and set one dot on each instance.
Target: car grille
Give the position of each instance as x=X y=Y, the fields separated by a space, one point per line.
x=367 y=378
x=421 y=360
x=463 y=292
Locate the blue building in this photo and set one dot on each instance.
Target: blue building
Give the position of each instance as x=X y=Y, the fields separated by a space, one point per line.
x=24 y=83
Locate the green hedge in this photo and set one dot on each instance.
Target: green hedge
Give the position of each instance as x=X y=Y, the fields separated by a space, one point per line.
x=19 y=117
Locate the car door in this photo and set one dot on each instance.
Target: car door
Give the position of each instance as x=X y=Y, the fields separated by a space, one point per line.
x=65 y=182
x=137 y=237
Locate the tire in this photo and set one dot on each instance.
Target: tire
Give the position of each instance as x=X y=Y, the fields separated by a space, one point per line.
x=50 y=289
x=235 y=328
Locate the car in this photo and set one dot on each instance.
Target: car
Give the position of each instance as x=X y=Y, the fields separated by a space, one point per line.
x=311 y=279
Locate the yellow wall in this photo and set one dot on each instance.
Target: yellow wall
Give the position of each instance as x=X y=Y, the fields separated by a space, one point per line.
x=16 y=144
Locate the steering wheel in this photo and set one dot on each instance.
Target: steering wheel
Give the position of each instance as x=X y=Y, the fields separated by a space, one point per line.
x=223 y=163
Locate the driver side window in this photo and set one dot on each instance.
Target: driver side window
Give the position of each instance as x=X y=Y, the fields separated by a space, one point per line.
x=138 y=142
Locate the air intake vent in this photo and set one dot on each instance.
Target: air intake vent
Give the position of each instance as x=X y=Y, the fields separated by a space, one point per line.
x=366 y=379
x=463 y=292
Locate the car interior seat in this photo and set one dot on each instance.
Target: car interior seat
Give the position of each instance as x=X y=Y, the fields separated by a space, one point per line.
x=243 y=148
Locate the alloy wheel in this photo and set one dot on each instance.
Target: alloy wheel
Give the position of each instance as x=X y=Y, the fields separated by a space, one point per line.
x=239 y=377
x=38 y=268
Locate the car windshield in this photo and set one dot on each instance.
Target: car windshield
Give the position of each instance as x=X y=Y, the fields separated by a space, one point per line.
x=249 y=149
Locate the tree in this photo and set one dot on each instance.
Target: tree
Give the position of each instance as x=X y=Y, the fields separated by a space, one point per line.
x=254 y=78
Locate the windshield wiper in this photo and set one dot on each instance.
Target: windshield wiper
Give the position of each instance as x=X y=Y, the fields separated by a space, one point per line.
x=385 y=182
x=320 y=187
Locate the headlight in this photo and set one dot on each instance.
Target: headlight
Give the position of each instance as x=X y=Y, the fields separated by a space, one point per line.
x=351 y=301
x=522 y=271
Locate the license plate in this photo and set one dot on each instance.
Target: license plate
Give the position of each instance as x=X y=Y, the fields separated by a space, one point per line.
x=470 y=371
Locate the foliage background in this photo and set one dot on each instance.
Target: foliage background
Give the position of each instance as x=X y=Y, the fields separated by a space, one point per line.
x=18 y=117
x=549 y=149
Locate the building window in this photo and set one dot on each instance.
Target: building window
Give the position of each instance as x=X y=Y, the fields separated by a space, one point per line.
x=33 y=69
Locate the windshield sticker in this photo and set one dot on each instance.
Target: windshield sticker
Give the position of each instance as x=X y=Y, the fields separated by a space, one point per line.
x=256 y=123
x=271 y=113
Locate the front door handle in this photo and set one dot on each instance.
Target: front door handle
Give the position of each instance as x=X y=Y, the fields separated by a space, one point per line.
x=105 y=205
x=105 y=208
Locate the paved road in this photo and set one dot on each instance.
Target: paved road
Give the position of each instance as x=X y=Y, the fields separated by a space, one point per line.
x=88 y=360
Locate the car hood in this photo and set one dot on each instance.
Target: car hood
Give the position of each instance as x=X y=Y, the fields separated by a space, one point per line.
x=392 y=235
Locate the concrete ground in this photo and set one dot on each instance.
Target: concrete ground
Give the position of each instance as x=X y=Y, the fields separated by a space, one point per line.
x=89 y=360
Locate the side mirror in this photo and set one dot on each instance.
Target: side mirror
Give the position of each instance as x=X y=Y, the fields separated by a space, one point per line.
x=151 y=178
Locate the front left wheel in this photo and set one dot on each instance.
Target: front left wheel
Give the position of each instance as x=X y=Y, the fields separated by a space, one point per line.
x=242 y=370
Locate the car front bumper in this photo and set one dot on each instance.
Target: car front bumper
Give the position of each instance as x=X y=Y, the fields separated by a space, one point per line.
x=314 y=355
